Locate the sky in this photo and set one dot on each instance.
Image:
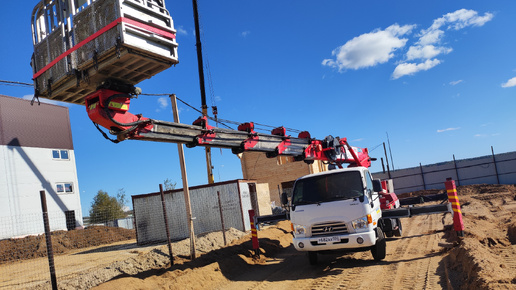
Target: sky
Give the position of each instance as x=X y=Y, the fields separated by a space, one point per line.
x=432 y=79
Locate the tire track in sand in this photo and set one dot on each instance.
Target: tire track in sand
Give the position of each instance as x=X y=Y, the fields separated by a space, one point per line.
x=417 y=266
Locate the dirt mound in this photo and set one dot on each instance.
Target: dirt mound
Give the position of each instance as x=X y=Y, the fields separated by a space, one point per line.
x=211 y=270
x=477 y=189
x=209 y=249
x=62 y=241
x=486 y=254
x=463 y=190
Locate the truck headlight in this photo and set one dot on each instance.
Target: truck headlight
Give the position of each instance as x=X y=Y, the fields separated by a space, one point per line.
x=299 y=230
x=360 y=225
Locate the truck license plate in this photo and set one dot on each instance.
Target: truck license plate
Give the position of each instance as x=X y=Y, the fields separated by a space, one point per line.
x=325 y=240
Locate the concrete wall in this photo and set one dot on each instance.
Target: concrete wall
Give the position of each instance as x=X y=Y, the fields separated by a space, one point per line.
x=148 y=213
x=500 y=168
x=24 y=172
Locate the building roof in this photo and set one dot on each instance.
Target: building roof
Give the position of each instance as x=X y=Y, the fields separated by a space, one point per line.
x=41 y=126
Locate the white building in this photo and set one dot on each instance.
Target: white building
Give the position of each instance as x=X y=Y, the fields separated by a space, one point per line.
x=36 y=153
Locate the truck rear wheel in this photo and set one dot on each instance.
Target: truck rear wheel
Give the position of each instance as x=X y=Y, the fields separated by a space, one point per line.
x=312 y=258
x=379 y=250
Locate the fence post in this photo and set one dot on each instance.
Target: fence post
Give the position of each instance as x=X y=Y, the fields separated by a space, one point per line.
x=254 y=234
x=222 y=219
x=496 y=169
x=453 y=198
x=50 y=252
x=422 y=176
x=166 y=224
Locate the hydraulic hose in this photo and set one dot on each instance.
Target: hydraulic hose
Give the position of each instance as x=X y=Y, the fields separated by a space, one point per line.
x=108 y=113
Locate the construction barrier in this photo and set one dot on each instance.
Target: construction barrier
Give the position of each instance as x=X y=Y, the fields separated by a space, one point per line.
x=254 y=234
x=458 y=224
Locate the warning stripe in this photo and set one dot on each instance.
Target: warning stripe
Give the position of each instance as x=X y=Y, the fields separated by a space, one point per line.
x=457 y=210
x=152 y=29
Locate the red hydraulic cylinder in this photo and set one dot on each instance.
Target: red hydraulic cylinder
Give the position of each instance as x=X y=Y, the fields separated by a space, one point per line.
x=453 y=198
x=254 y=233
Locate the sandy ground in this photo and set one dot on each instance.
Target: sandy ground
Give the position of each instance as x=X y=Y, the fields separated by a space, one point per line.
x=427 y=256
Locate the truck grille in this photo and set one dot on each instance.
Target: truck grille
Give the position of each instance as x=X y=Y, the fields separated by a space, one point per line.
x=329 y=229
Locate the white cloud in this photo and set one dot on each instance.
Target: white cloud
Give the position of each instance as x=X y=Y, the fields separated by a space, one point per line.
x=453 y=83
x=181 y=30
x=379 y=46
x=429 y=44
x=163 y=103
x=509 y=83
x=448 y=129
x=462 y=18
x=245 y=33
x=429 y=36
x=369 y=49
x=426 y=52
x=404 y=69
x=486 y=135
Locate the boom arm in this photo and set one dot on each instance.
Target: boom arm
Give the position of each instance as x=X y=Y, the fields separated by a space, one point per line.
x=110 y=109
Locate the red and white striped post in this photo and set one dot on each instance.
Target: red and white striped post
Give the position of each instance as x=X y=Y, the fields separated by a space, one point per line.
x=453 y=198
x=254 y=234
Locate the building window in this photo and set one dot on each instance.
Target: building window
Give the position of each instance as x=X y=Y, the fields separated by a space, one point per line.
x=64 y=187
x=60 y=154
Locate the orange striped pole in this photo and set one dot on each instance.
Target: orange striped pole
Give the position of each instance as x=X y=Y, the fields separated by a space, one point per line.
x=453 y=198
x=254 y=234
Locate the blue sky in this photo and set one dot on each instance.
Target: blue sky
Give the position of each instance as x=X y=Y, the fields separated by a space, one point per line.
x=439 y=77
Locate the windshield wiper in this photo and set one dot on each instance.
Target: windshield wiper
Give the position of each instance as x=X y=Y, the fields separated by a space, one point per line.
x=304 y=202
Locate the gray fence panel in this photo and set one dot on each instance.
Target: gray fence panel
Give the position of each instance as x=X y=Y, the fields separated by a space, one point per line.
x=150 y=225
x=465 y=172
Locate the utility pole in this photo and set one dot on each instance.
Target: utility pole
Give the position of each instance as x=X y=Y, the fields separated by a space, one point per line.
x=200 y=68
x=186 y=189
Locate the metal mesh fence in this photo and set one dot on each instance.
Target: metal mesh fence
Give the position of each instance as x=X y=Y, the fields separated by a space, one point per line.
x=86 y=254
x=24 y=252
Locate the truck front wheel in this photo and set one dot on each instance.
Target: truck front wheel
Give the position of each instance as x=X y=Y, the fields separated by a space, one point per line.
x=312 y=258
x=380 y=248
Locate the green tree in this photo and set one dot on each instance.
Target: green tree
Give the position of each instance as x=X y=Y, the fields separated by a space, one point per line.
x=107 y=208
x=169 y=185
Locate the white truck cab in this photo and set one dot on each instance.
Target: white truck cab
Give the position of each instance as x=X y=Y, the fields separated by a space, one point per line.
x=337 y=210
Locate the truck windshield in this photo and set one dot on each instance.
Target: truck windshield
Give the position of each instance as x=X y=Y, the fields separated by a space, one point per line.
x=328 y=187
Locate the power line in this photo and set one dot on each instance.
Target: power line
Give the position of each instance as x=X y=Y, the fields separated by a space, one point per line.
x=223 y=121
x=15 y=84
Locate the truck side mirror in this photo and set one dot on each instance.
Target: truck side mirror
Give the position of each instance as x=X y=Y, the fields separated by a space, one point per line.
x=284 y=198
x=377 y=185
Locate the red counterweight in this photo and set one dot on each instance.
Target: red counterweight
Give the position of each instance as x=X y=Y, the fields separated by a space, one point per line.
x=388 y=199
x=109 y=109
